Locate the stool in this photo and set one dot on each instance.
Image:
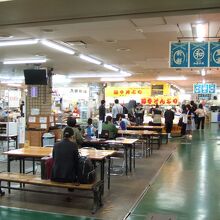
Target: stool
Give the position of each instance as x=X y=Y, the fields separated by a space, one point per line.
x=164 y=135
x=155 y=139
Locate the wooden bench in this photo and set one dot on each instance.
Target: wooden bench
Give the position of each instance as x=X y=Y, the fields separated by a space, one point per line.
x=95 y=187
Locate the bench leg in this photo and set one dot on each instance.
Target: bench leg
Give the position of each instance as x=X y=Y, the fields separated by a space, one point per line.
x=2 y=193
x=97 y=201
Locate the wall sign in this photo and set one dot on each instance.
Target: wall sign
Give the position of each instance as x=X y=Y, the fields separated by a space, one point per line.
x=207 y=88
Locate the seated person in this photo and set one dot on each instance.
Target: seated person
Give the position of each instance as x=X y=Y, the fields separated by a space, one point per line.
x=121 y=122
x=109 y=126
x=126 y=120
x=65 y=157
x=71 y=122
x=90 y=130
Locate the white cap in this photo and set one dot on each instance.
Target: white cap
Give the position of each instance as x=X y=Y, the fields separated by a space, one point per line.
x=169 y=107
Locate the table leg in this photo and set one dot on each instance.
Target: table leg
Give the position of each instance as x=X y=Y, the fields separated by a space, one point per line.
x=16 y=142
x=109 y=164
x=33 y=165
x=102 y=169
x=23 y=165
x=126 y=160
x=9 y=169
x=130 y=157
x=134 y=155
x=23 y=168
x=20 y=169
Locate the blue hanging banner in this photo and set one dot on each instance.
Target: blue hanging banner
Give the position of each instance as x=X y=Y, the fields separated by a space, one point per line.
x=179 y=54
x=214 y=59
x=199 y=54
x=207 y=88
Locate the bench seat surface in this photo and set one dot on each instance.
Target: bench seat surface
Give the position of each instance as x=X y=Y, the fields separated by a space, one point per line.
x=36 y=180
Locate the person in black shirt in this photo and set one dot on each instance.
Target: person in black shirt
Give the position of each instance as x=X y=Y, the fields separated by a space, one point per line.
x=169 y=116
x=102 y=111
x=66 y=157
x=22 y=108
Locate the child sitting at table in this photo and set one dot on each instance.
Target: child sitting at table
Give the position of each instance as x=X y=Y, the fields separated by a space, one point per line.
x=90 y=130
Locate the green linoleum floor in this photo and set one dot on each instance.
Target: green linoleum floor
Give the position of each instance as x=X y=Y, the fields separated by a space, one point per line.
x=188 y=185
x=7 y=213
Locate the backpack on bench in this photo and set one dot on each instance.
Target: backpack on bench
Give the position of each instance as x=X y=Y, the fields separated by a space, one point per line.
x=86 y=170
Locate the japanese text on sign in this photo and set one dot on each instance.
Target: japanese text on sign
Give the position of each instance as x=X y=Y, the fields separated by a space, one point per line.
x=125 y=91
x=160 y=100
x=207 y=88
x=194 y=54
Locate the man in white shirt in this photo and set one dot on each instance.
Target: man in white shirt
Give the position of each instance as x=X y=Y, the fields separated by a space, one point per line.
x=116 y=109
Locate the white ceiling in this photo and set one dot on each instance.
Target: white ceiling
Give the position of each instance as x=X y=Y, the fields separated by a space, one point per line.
x=107 y=38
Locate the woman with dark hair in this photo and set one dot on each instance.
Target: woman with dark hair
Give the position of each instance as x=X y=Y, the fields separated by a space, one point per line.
x=71 y=122
x=102 y=111
x=109 y=126
x=184 y=120
x=200 y=112
x=90 y=130
x=65 y=157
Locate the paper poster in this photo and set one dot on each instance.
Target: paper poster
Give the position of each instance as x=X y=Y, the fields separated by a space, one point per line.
x=43 y=126
x=35 y=111
x=31 y=119
x=43 y=119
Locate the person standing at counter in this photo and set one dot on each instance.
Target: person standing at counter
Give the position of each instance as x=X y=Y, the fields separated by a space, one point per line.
x=156 y=115
x=116 y=109
x=169 y=116
x=200 y=112
x=102 y=111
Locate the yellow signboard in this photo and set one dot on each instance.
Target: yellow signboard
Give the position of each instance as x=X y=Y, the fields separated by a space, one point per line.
x=127 y=91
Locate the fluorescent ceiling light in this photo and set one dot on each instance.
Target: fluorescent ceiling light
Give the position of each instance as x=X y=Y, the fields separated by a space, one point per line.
x=18 y=42
x=11 y=81
x=57 y=79
x=203 y=72
x=14 y=84
x=112 y=79
x=124 y=73
x=22 y=61
x=93 y=75
x=57 y=46
x=172 y=78
x=89 y=59
x=5 y=0
x=201 y=31
x=110 y=67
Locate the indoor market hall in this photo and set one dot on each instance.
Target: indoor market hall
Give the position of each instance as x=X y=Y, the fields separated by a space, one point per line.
x=109 y=110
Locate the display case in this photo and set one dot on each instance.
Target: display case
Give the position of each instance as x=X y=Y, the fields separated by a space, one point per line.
x=8 y=129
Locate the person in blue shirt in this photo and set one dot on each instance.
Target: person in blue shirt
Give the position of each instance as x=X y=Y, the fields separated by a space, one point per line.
x=90 y=130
